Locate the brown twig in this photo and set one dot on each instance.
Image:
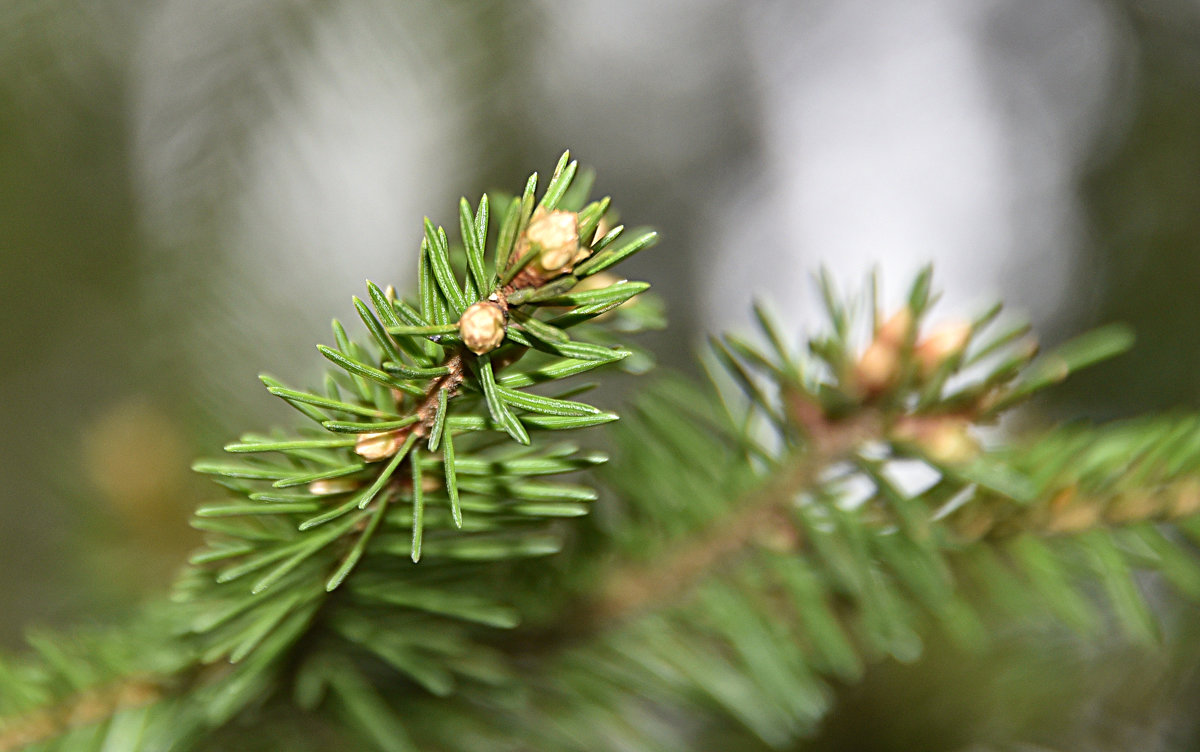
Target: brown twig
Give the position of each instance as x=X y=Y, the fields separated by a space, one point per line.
x=632 y=590
x=757 y=518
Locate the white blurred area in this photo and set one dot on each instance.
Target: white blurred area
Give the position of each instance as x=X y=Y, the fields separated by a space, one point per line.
x=297 y=146
x=897 y=134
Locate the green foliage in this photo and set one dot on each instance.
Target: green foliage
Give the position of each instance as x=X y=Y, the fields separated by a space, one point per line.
x=780 y=542
x=444 y=470
x=418 y=566
x=418 y=449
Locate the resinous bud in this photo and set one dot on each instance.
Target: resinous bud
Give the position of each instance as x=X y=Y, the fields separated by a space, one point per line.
x=554 y=236
x=879 y=366
x=373 y=447
x=553 y=239
x=946 y=341
x=331 y=486
x=482 y=327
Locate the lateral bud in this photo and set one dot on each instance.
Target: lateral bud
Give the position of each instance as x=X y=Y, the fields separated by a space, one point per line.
x=554 y=239
x=482 y=326
x=946 y=341
x=331 y=486
x=373 y=447
x=943 y=438
x=879 y=366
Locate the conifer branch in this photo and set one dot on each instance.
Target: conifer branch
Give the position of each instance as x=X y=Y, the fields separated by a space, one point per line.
x=406 y=440
x=380 y=569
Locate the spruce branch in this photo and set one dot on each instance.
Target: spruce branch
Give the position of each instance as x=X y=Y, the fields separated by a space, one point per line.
x=396 y=574
x=405 y=457
x=440 y=379
x=842 y=575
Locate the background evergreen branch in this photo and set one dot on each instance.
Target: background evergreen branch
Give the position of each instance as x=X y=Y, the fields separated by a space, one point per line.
x=395 y=573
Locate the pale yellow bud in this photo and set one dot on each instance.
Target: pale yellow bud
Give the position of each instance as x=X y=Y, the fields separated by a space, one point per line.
x=1186 y=501
x=554 y=236
x=1068 y=513
x=878 y=367
x=597 y=282
x=945 y=341
x=950 y=443
x=377 y=446
x=482 y=327
x=895 y=330
x=553 y=239
x=331 y=486
x=944 y=439
x=1133 y=506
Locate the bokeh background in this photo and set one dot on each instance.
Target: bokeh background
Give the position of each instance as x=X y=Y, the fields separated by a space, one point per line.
x=190 y=190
